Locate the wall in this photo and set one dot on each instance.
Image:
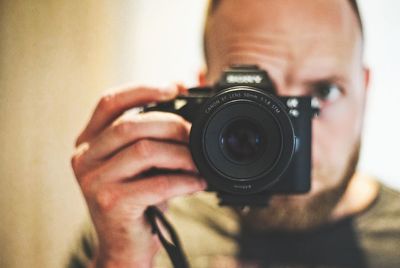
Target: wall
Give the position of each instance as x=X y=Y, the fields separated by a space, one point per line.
x=55 y=59
x=380 y=154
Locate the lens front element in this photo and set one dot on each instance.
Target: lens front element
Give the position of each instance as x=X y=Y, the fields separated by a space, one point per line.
x=242 y=141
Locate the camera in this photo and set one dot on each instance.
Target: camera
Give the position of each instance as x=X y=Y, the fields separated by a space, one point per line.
x=246 y=141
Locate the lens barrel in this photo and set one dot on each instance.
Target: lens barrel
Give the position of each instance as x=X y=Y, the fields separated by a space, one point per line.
x=242 y=140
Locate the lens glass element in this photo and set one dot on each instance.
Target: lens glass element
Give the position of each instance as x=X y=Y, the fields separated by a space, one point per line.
x=242 y=141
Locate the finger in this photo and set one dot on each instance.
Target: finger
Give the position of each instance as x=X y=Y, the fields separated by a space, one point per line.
x=113 y=105
x=140 y=157
x=152 y=125
x=147 y=191
x=163 y=187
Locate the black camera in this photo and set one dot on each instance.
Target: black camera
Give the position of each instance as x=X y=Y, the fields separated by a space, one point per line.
x=246 y=141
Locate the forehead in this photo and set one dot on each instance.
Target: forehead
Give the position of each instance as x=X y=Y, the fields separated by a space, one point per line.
x=295 y=31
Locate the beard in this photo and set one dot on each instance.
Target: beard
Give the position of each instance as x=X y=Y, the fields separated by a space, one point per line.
x=302 y=212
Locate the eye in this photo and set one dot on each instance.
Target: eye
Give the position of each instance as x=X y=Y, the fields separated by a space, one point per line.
x=327 y=92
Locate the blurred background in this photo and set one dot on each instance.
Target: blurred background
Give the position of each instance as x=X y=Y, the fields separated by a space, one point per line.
x=58 y=57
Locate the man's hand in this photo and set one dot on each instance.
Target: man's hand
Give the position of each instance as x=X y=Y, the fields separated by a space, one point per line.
x=111 y=156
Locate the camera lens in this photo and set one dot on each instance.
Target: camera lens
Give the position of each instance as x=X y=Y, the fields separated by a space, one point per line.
x=242 y=141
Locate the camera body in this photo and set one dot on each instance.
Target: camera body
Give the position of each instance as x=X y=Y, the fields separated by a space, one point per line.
x=246 y=141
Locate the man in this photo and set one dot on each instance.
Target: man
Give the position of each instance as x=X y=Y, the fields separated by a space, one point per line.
x=347 y=220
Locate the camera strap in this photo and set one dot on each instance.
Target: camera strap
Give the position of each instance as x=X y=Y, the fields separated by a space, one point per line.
x=174 y=249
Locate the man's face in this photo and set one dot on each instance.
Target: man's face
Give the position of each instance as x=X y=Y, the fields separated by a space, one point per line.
x=307 y=47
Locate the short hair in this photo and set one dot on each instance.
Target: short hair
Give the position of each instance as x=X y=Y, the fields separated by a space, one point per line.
x=213 y=4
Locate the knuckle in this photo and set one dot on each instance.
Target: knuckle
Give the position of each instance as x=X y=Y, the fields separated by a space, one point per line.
x=144 y=148
x=107 y=103
x=106 y=198
x=124 y=128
